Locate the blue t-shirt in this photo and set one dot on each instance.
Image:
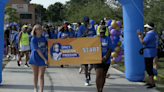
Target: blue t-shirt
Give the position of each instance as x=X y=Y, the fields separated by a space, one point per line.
x=12 y=32
x=63 y=35
x=53 y=35
x=15 y=37
x=46 y=35
x=106 y=44
x=71 y=33
x=38 y=43
x=82 y=29
x=151 y=40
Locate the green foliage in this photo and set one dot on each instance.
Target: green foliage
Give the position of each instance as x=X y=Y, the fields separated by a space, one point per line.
x=11 y=14
x=43 y=11
x=54 y=12
x=96 y=10
x=154 y=13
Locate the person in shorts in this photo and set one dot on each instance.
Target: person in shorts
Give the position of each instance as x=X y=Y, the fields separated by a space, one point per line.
x=23 y=45
x=86 y=31
x=102 y=68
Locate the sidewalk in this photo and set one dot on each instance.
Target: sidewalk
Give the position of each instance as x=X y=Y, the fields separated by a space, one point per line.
x=20 y=79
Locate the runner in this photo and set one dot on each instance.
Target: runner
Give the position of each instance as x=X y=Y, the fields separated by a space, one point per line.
x=15 y=42
x=23 y=45
x=86 y=30
x=102 y=69
x=12 y=32
x=38 y=57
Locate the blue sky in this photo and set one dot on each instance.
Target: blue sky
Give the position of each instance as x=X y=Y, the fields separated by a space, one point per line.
x=46 y=3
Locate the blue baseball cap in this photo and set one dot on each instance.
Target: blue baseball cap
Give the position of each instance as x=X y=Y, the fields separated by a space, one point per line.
x=85 y=18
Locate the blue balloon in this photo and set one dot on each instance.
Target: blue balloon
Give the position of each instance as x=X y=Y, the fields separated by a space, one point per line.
x=114 y=44
x=109 y=22
x=116 y=38
x=11 y=24
x=155 y=71
x=92 y=22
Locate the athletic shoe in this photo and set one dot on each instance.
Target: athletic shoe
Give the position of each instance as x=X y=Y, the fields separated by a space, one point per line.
x=89 y=75
x=26 y=65
x=14 y=58
x=61 y=66
x=80 y=70
x=35 y=90
x=151 y=86
x=147 y=84
x=18 y=63
x=87 y=82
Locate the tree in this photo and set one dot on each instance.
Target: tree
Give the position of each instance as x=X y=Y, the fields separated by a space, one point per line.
x=11 y=12
x=43 y=11
x=54 y=12
x=154 y=13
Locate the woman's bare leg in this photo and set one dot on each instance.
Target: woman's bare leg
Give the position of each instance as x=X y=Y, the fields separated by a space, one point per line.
x=41 y=77
x=35 y=75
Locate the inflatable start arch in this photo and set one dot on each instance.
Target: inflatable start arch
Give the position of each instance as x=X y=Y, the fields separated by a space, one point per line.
x=133 y=20
x=2 y=10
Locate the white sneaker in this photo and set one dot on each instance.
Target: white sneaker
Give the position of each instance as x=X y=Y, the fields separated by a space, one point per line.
x=8 y=56
x=14 y=58
x=87 y=82
x=80 y=70
x=35 y=90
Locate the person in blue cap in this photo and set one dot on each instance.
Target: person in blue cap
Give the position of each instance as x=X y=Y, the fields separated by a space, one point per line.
x=86 y=30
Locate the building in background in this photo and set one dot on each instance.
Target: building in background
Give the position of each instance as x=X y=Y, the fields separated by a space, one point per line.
x=27 y=12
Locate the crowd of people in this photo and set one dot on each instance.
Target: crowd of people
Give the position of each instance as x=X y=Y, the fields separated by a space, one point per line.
x=27 y=39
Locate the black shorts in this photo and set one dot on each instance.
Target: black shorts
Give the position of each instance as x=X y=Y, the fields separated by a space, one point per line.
x=87 y=64
x=8 y=43
x=149 y=65
x=105 y=67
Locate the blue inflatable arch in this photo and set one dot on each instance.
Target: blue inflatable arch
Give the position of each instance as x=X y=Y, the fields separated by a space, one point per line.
x=2 y=8
x=133 y=20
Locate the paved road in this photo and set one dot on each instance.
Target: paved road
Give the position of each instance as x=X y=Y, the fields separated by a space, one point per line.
x=20 y=79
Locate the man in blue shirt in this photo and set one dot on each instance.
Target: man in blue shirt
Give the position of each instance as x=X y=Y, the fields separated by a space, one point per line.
x=150 y=44
x=86 y=30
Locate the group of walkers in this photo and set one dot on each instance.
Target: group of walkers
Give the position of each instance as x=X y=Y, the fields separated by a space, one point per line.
x=32 y=40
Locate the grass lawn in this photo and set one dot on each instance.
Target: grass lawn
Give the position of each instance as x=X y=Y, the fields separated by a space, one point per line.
x=5 y=61
x=159 y=83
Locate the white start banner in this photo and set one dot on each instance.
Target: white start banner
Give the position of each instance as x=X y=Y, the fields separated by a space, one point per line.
x=20 y=7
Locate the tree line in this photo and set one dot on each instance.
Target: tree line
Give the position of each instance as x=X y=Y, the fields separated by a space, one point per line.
x=74 y=10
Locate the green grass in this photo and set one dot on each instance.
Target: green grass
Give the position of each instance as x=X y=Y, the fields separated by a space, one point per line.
x=159 y=83
x=5 y=61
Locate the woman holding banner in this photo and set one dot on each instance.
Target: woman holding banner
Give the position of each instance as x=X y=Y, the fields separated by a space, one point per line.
x=38 y=57
x=64 y=33
x=101 y=69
